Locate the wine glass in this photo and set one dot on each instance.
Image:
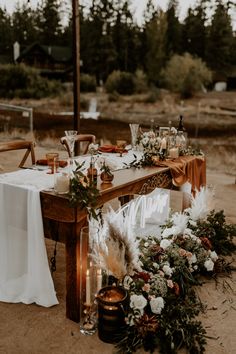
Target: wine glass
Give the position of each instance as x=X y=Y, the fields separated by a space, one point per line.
x=134 y=134
x=70 y=137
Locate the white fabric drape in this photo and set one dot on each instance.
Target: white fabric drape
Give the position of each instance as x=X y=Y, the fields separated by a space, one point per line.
x=147 y=213
x=24 y=270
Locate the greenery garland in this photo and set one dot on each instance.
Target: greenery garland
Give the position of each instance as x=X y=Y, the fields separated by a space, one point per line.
x=83 y=192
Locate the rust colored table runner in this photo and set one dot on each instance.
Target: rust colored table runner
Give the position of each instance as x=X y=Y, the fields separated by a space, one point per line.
x=184 y=169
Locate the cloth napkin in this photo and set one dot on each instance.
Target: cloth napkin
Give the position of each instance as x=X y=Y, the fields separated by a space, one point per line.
x=112 y=149
x=44 y=162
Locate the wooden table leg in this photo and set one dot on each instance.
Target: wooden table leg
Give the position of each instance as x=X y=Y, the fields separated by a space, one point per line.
x=73 y=273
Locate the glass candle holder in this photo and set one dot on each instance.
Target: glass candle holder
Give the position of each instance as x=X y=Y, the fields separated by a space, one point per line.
x=88 y=286
x=113 y=304
x=62 y=182
x=134 y=128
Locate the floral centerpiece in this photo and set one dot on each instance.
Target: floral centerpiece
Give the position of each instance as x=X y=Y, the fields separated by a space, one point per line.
x=159 y=273
x=149 y=142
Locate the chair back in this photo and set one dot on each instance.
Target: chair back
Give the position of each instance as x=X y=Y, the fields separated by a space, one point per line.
x=20 y=145
x=84 y=141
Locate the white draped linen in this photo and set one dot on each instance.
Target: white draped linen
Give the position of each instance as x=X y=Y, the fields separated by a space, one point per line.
x=24 y=270
x=147 y=213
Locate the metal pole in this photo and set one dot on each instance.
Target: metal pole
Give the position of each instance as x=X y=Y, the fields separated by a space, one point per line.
x=76 y=64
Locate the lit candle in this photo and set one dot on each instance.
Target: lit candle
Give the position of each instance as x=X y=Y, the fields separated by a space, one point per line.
x=163 y=144
x=99 y=279
x=174 y=153
x=88 y=299
x=62 y=183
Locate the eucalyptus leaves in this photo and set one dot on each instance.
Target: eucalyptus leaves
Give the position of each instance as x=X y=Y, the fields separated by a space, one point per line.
x=83 y=191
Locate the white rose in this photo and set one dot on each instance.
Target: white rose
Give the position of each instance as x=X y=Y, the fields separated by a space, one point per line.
x=193 y=259
x=213 y=256
x=167 y=232
x=145 y=141
x=138 y=302
x=209 y=265
x=127 y=281
x=167 y=270
x=157 y=304
x=165 y=244
x=192 y=222
x=188 y=231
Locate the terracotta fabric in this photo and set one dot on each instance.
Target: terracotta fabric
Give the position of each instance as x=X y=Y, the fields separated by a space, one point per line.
x=111 y=148
x=184 y=169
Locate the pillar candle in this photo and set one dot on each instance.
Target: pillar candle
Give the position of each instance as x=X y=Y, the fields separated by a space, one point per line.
x=88 y=291
x=99 y=279
x=174 y=153
x=62 y=183
x=163 y=144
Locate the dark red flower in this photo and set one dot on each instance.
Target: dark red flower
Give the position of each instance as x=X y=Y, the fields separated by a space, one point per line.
x=147 y=324
x=157 y=252
x=176 y=288
x=143 y=275
x=206 y=243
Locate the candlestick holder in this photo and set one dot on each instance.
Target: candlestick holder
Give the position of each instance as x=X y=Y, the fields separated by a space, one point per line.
x=88 y=322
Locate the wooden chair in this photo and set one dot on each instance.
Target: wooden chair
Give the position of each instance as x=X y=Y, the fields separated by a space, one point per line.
x=20 y=145
x=84 y=141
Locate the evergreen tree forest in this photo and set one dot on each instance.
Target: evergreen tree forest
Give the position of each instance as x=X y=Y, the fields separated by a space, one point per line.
x=111 y=40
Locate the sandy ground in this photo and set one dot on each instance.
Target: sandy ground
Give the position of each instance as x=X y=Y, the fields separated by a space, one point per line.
x=31 y=329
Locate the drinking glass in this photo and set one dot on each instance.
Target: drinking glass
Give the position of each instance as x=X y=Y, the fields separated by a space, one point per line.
x=134 y=134
x=70 y=136
x=52 y=161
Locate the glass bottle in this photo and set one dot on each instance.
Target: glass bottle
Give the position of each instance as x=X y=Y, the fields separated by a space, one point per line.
x=92 y=172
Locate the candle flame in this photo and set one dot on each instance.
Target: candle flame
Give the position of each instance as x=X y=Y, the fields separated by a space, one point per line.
x=87 y=272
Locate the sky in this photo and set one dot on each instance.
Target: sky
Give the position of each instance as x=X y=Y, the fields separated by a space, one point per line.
x=137 y=5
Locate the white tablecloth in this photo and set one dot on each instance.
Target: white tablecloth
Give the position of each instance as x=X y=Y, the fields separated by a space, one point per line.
x=24 y=270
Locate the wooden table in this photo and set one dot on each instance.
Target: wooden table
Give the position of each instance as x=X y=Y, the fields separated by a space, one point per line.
x=63 y=223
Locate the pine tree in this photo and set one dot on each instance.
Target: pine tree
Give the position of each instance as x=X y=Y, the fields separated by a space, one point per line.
x=156 y=45
x=194 y=31
x=220 y=39
x=5 y=32
x=173 y=32
x=49 y=22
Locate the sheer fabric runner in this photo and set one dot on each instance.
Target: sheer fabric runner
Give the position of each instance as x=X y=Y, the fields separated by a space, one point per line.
x=24 y=270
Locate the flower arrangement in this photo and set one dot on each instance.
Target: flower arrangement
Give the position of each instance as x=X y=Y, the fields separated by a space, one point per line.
x=160 y=275
x=149 y=142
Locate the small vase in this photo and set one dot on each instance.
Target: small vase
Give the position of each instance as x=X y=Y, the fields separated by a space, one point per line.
x=107 y=177
x=92 y=173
